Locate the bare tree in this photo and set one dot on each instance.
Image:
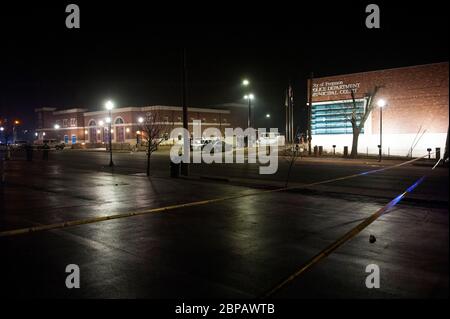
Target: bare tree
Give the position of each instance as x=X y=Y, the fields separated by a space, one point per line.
x=358 y=120
x=153 y=130
x=292 y=154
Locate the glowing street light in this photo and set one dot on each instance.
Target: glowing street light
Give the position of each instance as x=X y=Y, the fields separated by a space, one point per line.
x=109 y=105
x=100 y=123
x=381 y=104
x=267 y=116
x=2 y=128
x=57 y=127
x=249 y=97
x=141 y=120
x=245 y=82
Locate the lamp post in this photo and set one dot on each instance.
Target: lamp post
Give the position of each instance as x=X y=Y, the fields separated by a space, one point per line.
x=109 y=106
x=16 y=122
x=381 y=103
x=138 y=133
x=56 y=126
x=249 y=98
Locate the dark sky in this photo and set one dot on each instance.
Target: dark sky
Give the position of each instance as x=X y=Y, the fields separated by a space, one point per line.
x=131 y=53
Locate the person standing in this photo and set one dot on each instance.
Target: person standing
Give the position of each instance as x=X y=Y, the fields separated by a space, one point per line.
x=46 y=149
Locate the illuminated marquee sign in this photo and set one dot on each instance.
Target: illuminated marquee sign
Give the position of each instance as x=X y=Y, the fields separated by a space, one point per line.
x=334 y=88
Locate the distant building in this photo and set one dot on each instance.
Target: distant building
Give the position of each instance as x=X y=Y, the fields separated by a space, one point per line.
x=415 y=118
x=78 y=125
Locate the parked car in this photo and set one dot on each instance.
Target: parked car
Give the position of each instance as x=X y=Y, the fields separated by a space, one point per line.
x=52 y=143
x=199 y=144
x=218 y=145
x=19 y=145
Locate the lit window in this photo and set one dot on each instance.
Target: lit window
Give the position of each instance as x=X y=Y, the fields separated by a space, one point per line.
x=332 y=118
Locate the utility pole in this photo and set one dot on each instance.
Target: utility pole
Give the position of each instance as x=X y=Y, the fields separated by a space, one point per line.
x=309 y=112
x=184 y=166
x=291 y=105
x=286 y=105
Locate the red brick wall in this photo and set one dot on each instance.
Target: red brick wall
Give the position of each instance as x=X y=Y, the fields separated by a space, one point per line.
x=416 y=96
x=130 y=119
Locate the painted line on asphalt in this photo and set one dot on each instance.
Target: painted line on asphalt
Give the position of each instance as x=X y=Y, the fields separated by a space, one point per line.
x=336 y=244
x=91 y=220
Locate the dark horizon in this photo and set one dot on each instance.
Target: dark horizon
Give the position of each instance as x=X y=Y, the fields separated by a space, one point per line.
x=126 y=55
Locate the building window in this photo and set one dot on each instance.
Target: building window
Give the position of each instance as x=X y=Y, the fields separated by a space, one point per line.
x=224 y=120
x=64 y=122
x=92 y=123
x=118 y=121
x=166 y=119
x=333 y=118
x=179 y=118
x=73 y=122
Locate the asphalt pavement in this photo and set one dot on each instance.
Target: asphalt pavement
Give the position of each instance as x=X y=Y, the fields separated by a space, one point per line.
x=234 y=248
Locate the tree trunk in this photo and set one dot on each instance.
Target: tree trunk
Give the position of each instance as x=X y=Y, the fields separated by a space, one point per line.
x=354 y=152
x=148 y=159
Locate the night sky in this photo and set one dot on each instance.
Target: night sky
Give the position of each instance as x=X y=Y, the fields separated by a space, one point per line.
x=131 y=53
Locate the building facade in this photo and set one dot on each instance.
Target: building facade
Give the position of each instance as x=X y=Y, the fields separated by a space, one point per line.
x=79 y=126
x=415 y=117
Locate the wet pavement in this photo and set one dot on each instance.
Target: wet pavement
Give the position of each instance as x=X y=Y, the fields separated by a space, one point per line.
x=238 y=248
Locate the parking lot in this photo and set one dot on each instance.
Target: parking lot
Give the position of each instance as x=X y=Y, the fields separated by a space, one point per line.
x=242 y=246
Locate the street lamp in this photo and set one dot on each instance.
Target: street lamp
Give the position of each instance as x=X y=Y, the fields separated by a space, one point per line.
x=109 y=106
x=381 y=104
x=16 y=122
x=267 y=116
x=249 y=98
x=245 y=82
x=138 y=133
x=56 y=126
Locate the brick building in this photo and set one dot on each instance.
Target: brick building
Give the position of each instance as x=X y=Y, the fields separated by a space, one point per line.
x=415 y=118
x=77 y=125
